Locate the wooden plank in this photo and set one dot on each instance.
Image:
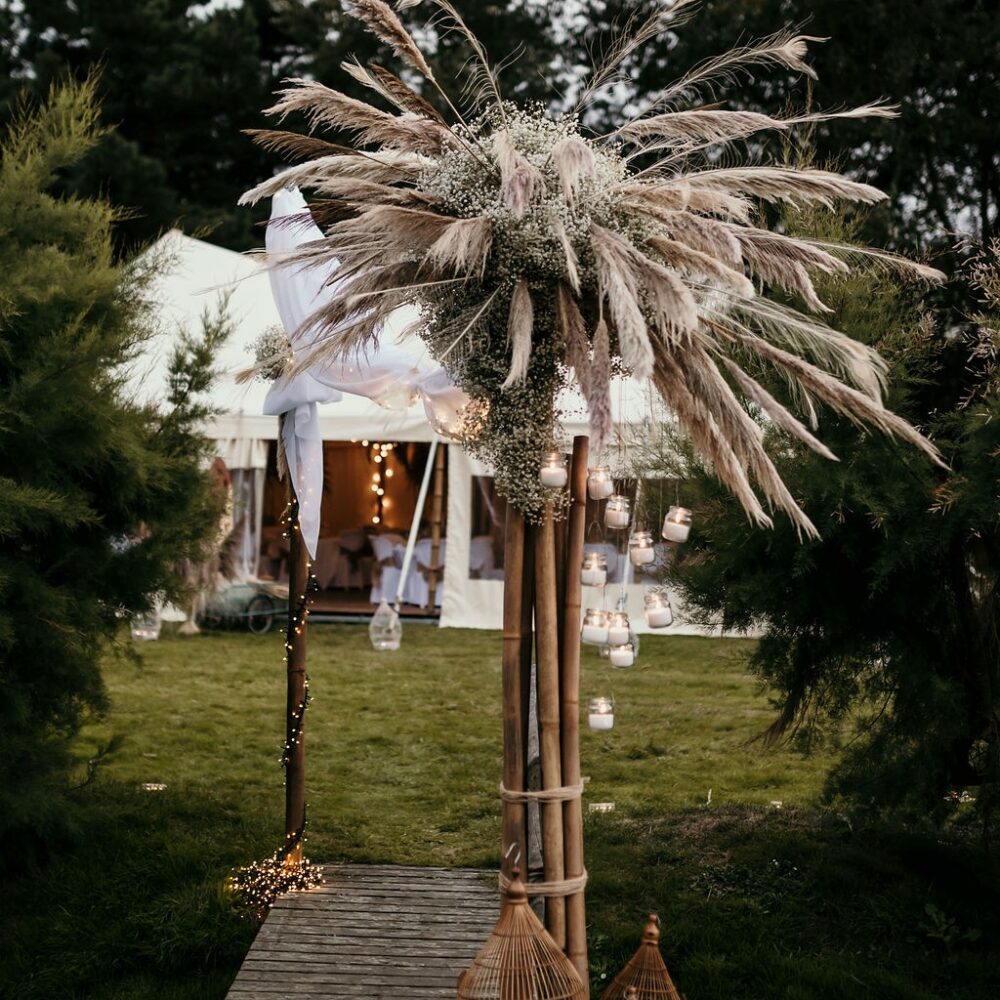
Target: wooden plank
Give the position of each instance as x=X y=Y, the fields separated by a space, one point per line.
x=373 y=931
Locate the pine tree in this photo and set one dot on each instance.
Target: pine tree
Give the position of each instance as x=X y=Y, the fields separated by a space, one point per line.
x=99 y=495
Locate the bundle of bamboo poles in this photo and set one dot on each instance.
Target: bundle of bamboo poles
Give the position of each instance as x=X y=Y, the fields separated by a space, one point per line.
x=541 y=614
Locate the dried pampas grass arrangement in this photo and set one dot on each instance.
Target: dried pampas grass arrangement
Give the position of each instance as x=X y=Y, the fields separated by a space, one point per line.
x=539 y=254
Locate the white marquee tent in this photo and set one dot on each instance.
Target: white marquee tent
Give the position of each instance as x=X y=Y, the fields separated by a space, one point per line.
x=198 y=279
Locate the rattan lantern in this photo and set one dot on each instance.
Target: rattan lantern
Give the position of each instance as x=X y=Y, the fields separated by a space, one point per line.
x=646 y=972
x=520 y=961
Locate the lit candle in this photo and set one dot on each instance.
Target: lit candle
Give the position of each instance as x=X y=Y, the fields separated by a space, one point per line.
x=616 y=513
x=618 y=629
x=600 y=484
x=677 y=524
x=595 y=626
x=640 y=548
x=659 y=614
x=601 y=714
x=595 y=569
x=553 y=472
x=622 y=656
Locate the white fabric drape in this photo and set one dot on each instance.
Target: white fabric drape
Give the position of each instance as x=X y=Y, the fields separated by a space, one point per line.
x=388 y=374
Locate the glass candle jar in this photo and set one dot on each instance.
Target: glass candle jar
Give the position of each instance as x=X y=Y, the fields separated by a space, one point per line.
x=658 y=612
x=385 y=630
x=622 y=656
x=554 y=472
x=595 y=626
x=595 y=569
x=600 y=483
x=601 y=714
x=619 y=629
x=677 y=524
x=640 y=548
x=616 y=513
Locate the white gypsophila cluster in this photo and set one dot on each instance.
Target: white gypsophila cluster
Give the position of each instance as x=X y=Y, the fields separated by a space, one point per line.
x=272 y=353
x=529 y=243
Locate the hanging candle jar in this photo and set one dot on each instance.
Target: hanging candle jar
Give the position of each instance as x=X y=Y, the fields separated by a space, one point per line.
x=640 y=548
x=385 y=630
x=595 y=626
x=677 y=524
x=622 y=656
x=595 y=569
x=616 y=513
x=600 y=482
x=601 y=714
x=658 y=612
x=554 y=472
x=619 y=629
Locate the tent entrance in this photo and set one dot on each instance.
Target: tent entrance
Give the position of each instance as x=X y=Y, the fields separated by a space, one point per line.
x=370 y=491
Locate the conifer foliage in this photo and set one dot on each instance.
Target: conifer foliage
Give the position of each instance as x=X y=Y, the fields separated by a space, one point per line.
x=99 y=495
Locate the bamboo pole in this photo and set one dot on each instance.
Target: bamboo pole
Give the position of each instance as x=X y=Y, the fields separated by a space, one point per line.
x=295 y=700
x=514 y=716
x=549 y=740
x=576 y=918
x=531 y=824
x=437 y=517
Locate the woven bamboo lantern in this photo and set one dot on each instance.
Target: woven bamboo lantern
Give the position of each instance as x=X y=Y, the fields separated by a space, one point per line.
x=646 y=974
x=520 y=961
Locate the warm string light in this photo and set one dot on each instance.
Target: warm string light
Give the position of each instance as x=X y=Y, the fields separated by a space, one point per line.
x=379 y=454
x=256 y=886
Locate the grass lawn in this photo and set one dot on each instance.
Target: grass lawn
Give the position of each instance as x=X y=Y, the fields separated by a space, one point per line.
x=759 y=902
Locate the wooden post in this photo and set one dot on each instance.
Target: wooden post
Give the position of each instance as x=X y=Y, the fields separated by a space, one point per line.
x=295 y=701
x=437 y=518
x=549 y=740
x=576 y=919
x=513 y=829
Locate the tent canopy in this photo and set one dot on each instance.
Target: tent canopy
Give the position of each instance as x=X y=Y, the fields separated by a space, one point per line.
x=201 y=276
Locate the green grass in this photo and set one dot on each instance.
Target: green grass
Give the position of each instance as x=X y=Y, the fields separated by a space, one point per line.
x=403 y=756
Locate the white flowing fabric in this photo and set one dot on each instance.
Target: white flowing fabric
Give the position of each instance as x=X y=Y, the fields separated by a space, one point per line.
x=388 y=374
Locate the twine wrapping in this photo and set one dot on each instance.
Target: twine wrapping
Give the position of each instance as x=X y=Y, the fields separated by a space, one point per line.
x=564 y=887
x=564 y=793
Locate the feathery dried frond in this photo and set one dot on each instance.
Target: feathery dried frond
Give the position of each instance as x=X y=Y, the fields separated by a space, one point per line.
x=783 y=49
x=630 y=39
x=377 y=166
x=463 y=246
x=295 y=146
x=709 y=125
x=574 y=160
x=620 y=288
x=390 y=87
x=786 y=184
x=332 y=109
x=519 y=178
x=683 y=257
x=520 y=323
x=386 y=26
x=573 y=330
x=597 y=388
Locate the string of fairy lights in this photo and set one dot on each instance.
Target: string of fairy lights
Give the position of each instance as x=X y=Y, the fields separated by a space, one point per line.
x=378 y=455
x=258 y=884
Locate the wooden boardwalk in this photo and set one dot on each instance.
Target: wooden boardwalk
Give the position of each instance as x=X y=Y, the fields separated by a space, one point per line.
x=373 y=931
